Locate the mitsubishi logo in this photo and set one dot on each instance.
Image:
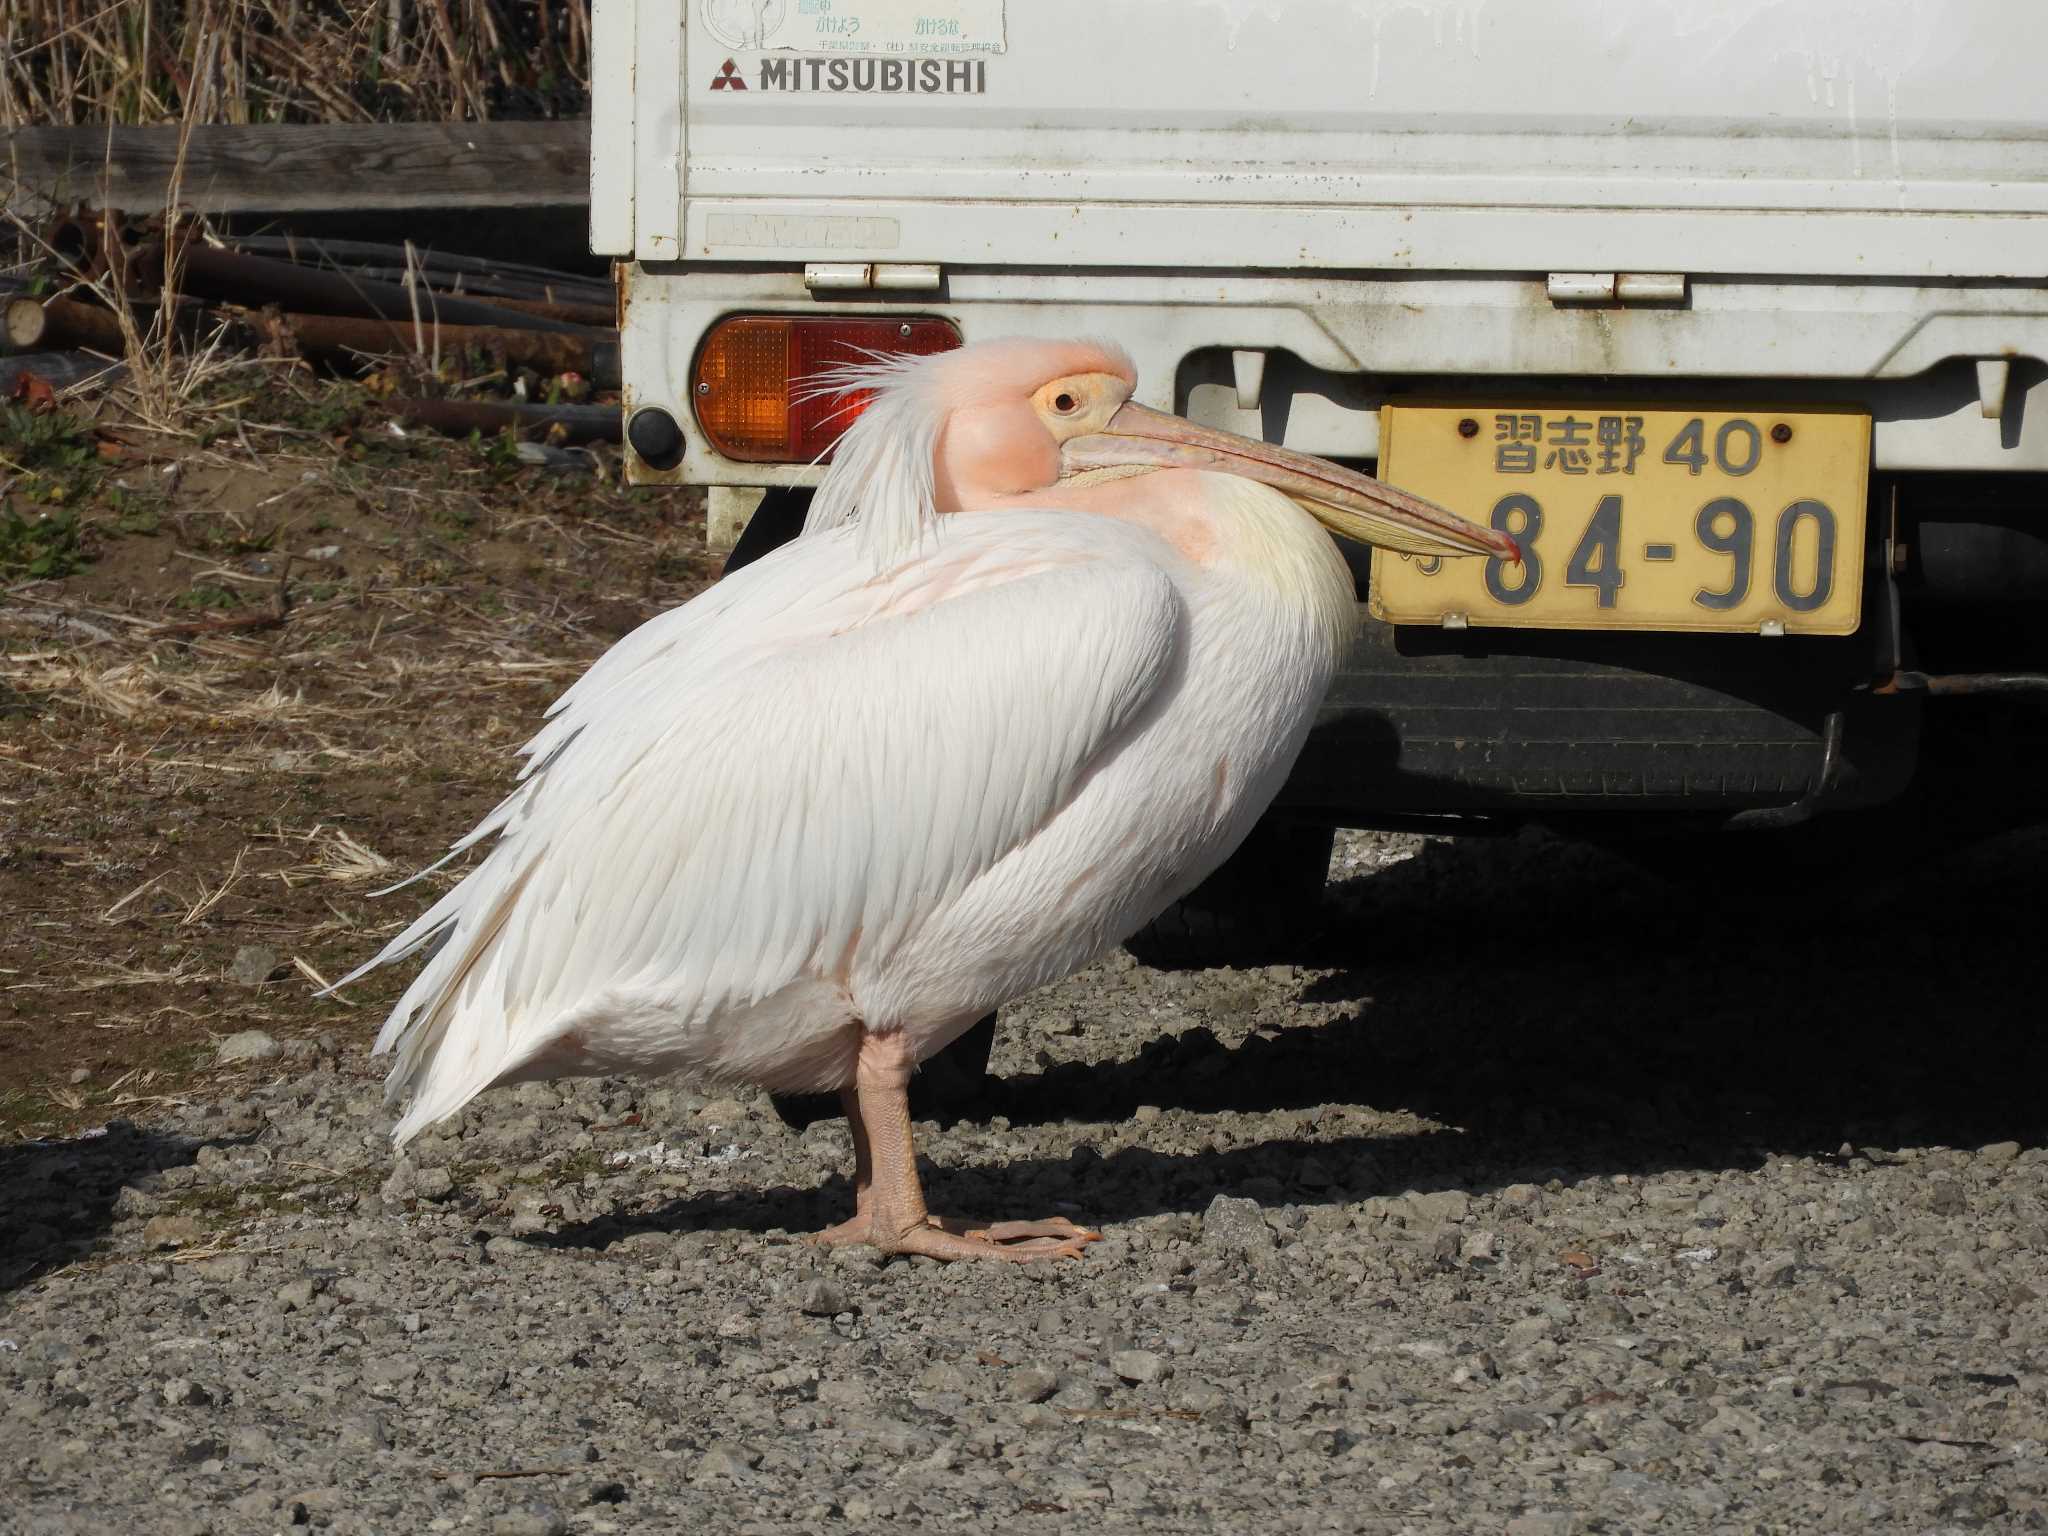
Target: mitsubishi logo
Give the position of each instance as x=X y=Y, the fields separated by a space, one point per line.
x=728 y=76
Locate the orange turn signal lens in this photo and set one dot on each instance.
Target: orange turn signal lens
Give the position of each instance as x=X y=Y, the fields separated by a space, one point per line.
x=753 y=373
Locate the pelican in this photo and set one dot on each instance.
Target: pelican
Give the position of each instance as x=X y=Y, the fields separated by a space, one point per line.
x=1039 y=661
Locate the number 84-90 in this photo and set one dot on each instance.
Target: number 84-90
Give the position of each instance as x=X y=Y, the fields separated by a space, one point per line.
x=1724 y=526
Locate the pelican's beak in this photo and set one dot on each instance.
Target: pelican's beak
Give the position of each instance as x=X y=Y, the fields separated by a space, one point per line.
x=1352 y=505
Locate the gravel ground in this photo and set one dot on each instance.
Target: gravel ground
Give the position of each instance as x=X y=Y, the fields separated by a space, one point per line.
x=1539 y=1197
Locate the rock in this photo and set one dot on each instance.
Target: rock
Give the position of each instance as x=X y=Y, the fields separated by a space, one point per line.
x=823 y=1299
x=1235 y=1224
x=1139 y=1365
x=722 y=1112
x=1523 y=1195
x=1198 y=1397
x=1999 y=1152
x=250 y=1444
x=1080 y=1396
x=295 y=1295
x=196 y=1453
x=433 y=1184
x=1441 y=1204
x=171 y=1232
x=726 y=1459
x=314 y=1501
x=1031 y=1384
x=944 y=1376
x=246 y=1045
x=363 y=1434
x=253 y=965
x=534 y=1520
x=383 y=1378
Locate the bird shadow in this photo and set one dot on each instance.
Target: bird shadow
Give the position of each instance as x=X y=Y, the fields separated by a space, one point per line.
x=57 y=1197
x=1567 y=1015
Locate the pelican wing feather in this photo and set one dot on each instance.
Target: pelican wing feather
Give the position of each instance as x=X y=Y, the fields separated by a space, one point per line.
x=792 y=771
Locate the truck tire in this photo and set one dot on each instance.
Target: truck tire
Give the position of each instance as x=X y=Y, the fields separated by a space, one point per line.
x=1256 y=908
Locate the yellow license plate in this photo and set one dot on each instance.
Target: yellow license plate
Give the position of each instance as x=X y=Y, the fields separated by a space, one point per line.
x=1634 y=519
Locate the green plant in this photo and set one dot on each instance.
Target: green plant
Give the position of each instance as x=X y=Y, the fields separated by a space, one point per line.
x=45 y=548
x=500 y=451
x=135 y=511
x=205 y=595
x=53 y=451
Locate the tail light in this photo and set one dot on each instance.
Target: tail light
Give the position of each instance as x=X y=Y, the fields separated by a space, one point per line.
x=755 y=372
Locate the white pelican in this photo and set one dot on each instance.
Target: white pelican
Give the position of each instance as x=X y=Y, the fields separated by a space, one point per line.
x=1039 y=661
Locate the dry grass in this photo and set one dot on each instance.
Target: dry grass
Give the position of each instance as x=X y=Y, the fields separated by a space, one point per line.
x=172 y=791
x=274 y=61
x=169 y=381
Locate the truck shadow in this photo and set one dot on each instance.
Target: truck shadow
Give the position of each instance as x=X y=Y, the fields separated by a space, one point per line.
x=1551 y=1000
x=1570 y=1017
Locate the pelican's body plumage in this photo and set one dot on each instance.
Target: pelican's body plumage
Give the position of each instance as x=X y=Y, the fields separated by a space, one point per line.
x=805 y=829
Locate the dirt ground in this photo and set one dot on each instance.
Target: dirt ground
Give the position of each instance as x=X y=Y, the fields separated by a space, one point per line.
x=246 y=678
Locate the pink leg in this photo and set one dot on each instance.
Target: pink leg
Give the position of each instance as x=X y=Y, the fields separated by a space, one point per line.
x=889 y=1209
x=855 y=1229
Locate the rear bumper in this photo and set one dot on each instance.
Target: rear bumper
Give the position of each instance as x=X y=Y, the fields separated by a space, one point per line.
x=1549 y=726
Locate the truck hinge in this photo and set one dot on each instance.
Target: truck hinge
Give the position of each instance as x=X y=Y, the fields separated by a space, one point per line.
x=1616 y=287
x=860 y=276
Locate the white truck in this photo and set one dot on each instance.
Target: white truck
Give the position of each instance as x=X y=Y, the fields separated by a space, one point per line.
x=1734 y=311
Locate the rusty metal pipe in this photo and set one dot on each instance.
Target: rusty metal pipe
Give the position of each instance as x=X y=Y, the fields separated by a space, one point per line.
x=366 y=252
x=589 y=353
x=579 y=307
x=488 y=290
x=256 y=280
x=581 y=423
x=589 y=316
x=1963 y=684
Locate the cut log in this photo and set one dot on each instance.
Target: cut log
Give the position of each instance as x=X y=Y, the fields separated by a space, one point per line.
x=33 y=323
x=60 y=323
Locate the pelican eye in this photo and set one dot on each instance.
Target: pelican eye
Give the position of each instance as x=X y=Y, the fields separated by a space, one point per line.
x=1065 y=403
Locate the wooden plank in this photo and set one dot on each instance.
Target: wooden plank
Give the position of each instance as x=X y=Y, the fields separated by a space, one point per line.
x=322 y=167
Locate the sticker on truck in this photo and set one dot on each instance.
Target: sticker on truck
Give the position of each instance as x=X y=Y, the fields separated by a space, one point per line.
x=904 y=27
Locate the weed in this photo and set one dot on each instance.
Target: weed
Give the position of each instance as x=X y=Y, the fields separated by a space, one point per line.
x=45 y=549
x=332 y=411
x=135 y=512
x=500 y=452
x=205 y=595
x=53 y=451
